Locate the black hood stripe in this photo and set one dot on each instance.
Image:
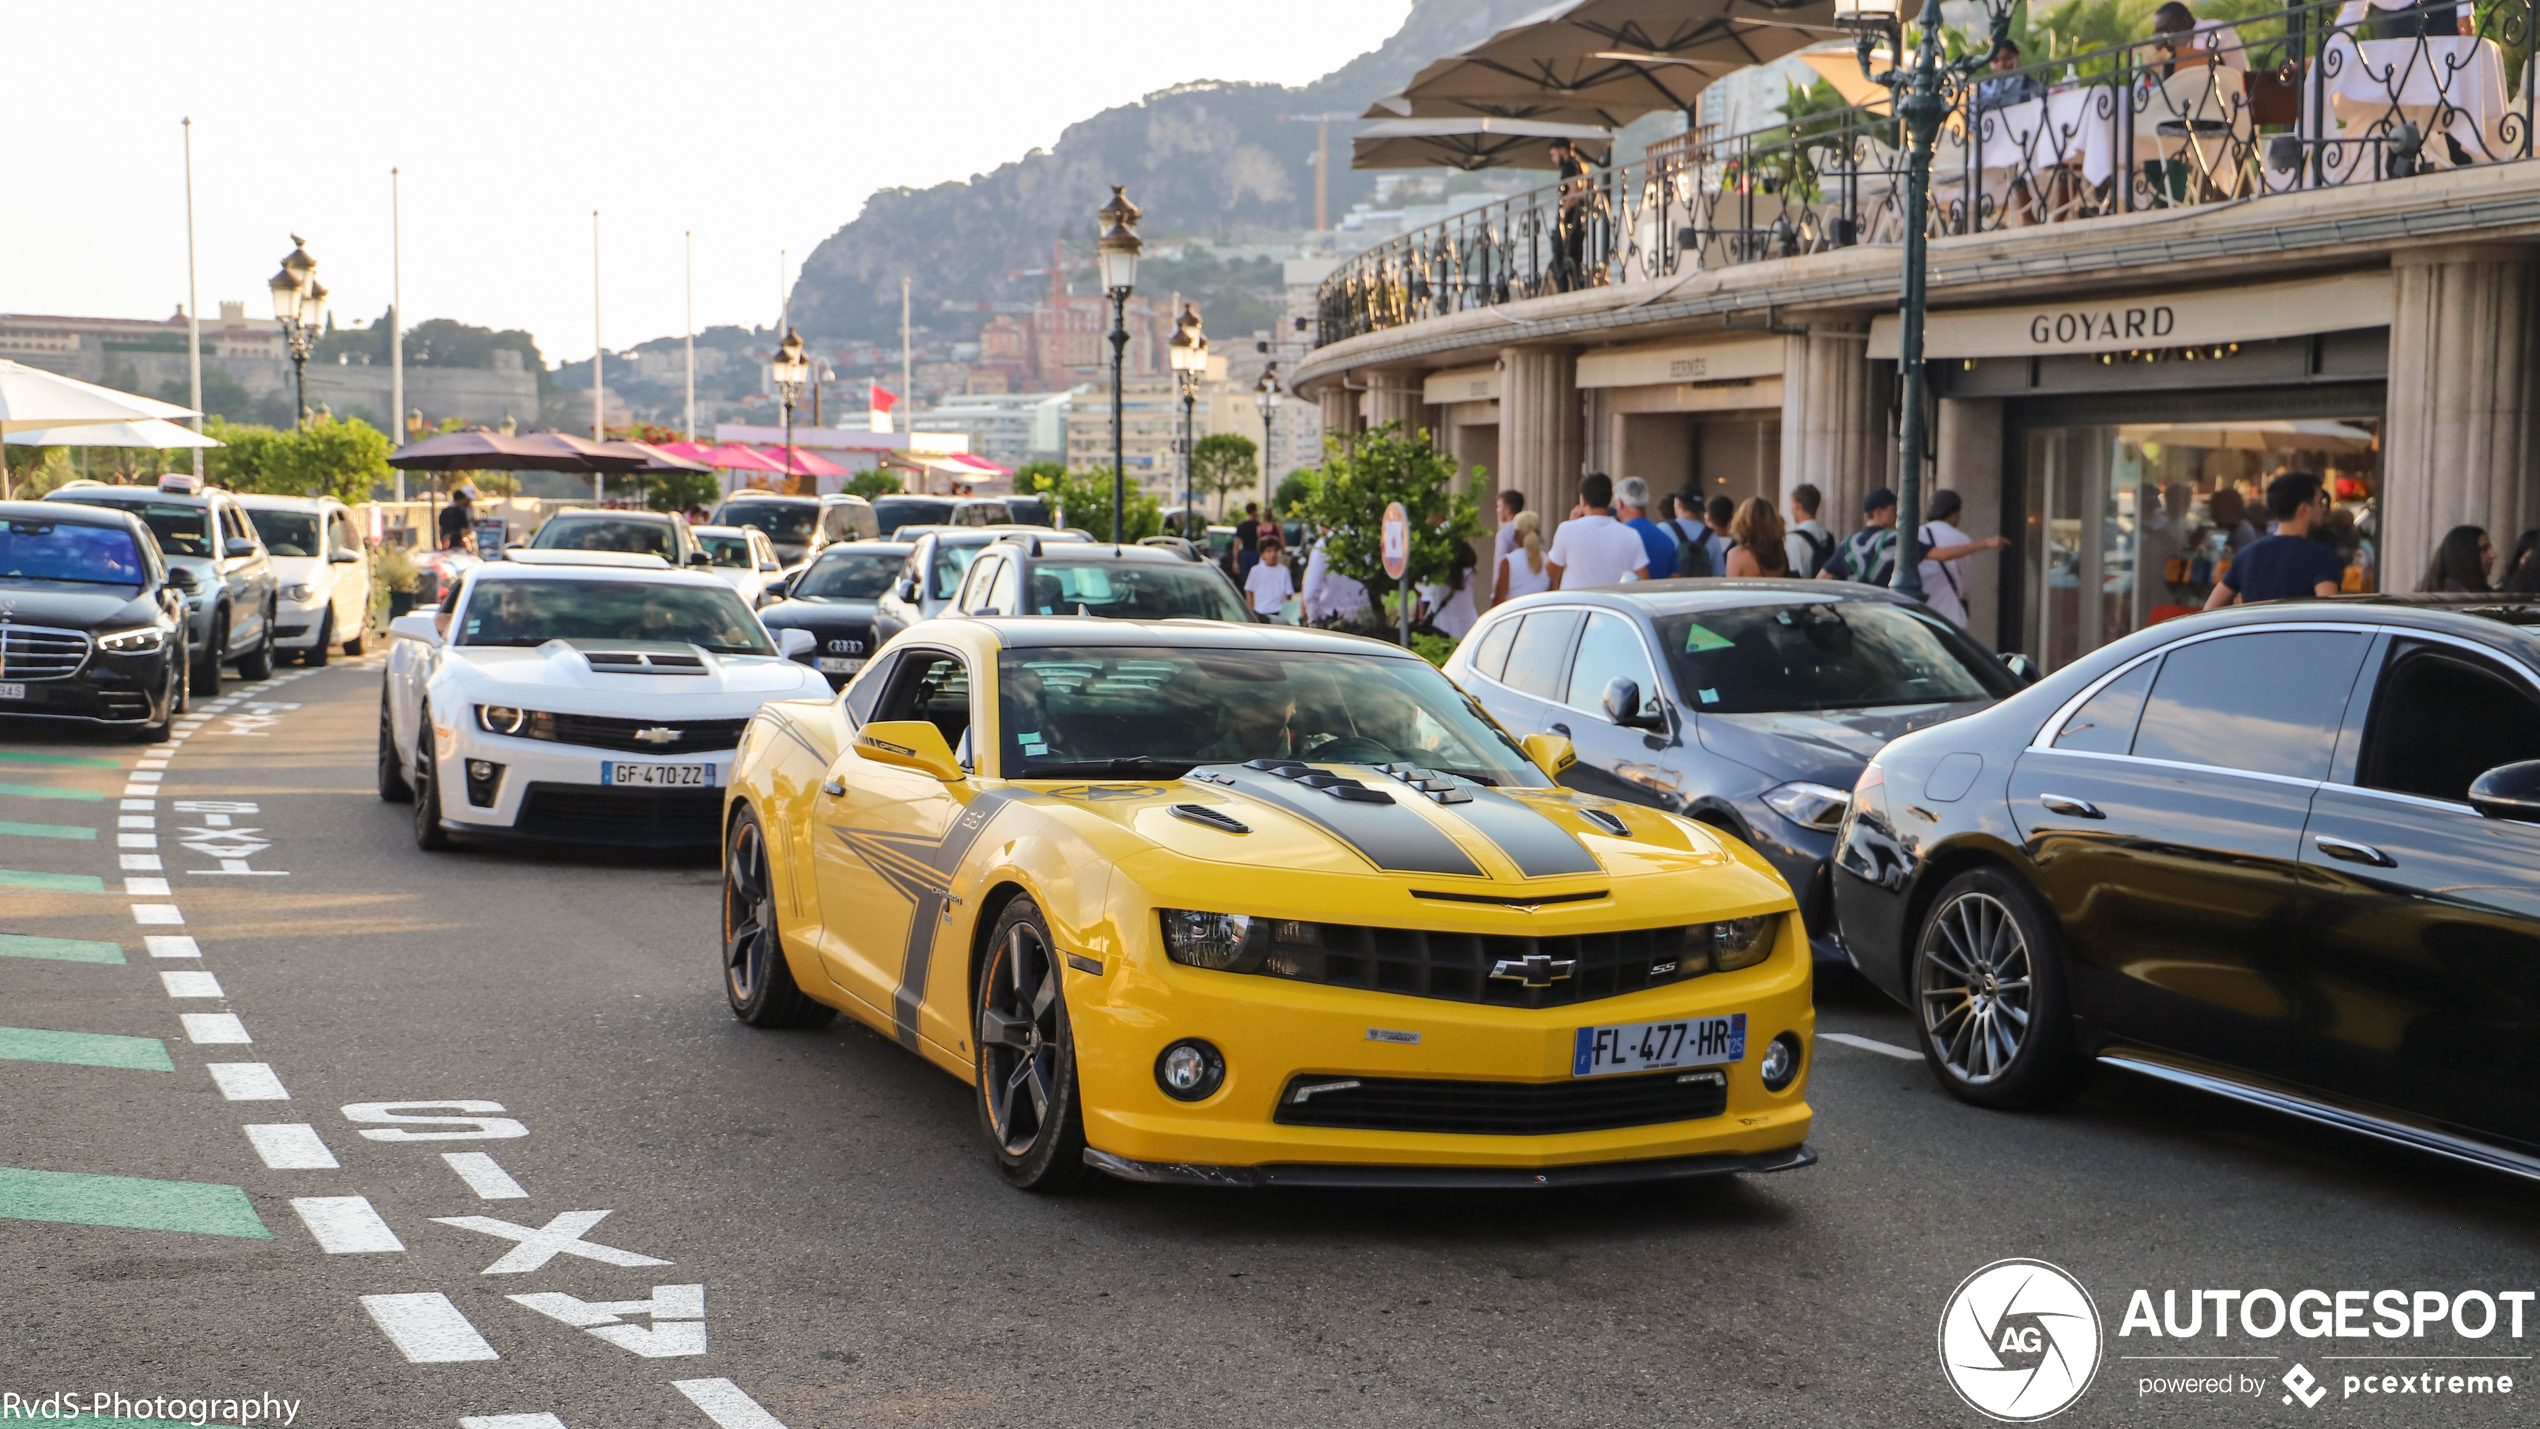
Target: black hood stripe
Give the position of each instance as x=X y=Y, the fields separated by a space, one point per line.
x=1539 y=847
x=1396 y=840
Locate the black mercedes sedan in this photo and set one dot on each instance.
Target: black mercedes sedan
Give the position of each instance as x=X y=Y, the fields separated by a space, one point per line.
x=1751 y=705
x=2287 y=853
x=92 y=618
x=833 y=598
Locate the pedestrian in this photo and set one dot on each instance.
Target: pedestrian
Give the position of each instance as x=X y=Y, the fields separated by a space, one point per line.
x=1521 y=571
x=1809 y=543
x=1570 y=223
x=1692 y=536
x=2522 y=573
x=1716 y=516
x=1329 y=595
x=1593 y=548
x=458 y=519
x=1268 y=583
x=1631 y=504
x=1247 y=548
x=2289 y=564
x=1759 y=541
x=1944 y=547
x=1869 y=557
x=2461 y=562
x=1448 y=604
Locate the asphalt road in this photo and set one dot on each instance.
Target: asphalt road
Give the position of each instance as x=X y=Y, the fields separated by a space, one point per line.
x=861 y=1262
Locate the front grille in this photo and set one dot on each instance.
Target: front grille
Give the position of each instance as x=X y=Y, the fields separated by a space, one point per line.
x=35 y=652
x=1459 y=967
x=596 y=814
x=1503 y=1108
x=696 y=736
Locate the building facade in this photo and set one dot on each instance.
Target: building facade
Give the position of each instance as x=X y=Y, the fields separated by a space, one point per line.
x=1008 y=428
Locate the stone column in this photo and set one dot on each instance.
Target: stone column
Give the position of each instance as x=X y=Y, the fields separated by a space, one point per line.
x=1830 y=433
x=1541 y=434
x=1340 y=408
x=2456 y=447
x=1396 y=397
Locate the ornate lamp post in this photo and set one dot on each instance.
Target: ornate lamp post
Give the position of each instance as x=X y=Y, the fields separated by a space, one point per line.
x=790 y=369
x=1926 y=87
x=1117 y=252
x=1265 y=394
x=1190 y=363
x=299 y=304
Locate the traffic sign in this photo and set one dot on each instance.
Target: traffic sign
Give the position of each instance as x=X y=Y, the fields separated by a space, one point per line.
x=1397 y=541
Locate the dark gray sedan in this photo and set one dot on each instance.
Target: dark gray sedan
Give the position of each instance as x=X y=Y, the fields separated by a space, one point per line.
x=1749 y=704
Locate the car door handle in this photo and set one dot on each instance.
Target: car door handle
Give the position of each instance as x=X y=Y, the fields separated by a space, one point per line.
x=2067 y=804
x=834 y=789
x=2353 y=852
x=1562 y=730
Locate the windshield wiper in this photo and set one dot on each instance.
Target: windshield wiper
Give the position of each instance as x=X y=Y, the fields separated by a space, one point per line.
x=1145 y=766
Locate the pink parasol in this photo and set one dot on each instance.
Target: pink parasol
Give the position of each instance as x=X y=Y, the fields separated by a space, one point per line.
x=805 y=463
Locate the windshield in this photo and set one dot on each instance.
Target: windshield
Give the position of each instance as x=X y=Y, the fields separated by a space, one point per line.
x=1139 y=591
x=728 y=551
x=1073 y=711
x=1027 y=511
x=533 y=612
x=951 y=564
x=602 y=533
x=784 y=522
x=33 y=550
x=851 y=575
x=893 y=512
x=1824 y=656
x=182 y=530
x=286 y=533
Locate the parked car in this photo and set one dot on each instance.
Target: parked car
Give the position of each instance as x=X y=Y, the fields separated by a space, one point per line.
x=649 y=533
x=92 y=618
x=890 y=513
x=1751 y=705
x=833 y=597
x=232 y=602
x=324 y=571
x=2287 y=853
x=1029 y=511
x=938 y=558
x=742 y=556
x=798 y=526
x=1021 y=575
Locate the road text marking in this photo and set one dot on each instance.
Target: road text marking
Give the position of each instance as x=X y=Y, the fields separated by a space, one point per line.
x=561 y=1236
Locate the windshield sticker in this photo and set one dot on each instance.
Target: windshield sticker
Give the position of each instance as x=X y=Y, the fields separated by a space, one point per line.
x=1033 y=738
x=1035 y=749
x=1710 y=697
x=1702 y=638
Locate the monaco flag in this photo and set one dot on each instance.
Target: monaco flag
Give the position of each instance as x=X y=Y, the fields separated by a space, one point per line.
x=883 y=402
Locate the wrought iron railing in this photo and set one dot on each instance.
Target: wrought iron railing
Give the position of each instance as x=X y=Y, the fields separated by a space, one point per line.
x=2314 y=96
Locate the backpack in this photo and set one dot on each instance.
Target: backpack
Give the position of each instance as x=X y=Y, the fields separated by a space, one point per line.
x=1820 y=546
x=1693 y=558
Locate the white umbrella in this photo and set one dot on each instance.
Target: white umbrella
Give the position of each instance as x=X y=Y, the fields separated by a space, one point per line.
x=1469 y=144
x=151 y=432
x=32 y=399
x=2301 y=435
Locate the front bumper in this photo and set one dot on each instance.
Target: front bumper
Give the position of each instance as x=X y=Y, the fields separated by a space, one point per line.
x=553 y=792
x=1451 y=1178
x=109 y=689
x=296 y=627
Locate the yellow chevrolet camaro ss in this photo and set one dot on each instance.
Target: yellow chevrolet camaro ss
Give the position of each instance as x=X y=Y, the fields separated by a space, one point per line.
x=1246 y=905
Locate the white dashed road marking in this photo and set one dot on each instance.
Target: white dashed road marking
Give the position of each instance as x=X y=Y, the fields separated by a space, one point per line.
x=248 y=1082
x=561 y=1236
x=156 y=914
x=145 y=888
x=511 y=1421
x=1884 y=1049
x=191 y=984
x=346 y=1225
x=428 y=1329
x=725 y=1404
x=292 y=1146
x=207 y=1028
x=176 y=945
x=484 y=1176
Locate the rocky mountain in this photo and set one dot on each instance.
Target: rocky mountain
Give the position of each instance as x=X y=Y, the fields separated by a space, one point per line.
x=1208 y=158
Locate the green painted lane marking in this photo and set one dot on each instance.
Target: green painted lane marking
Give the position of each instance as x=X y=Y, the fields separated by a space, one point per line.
x=47 y=831
x=84 y=1049
x=47 y=791
x=69 y=1198
x=80 y=760
x=51 y=882
x=65 y=950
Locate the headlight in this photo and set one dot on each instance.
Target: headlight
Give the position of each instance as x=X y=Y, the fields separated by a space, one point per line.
x=1742 y=942
x=1811 y=806
x=501 y=719
x=298 y=592
x=1226 y=942
x=141 y=640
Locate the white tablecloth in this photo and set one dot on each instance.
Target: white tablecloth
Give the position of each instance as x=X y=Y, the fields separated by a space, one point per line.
x=2368 y=79
x=2067 y=126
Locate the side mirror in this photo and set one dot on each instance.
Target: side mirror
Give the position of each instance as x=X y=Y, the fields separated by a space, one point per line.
x=1623 y=706
x=1551 y=753
x=183 y=578
x=909 y=744
x=2022 y=667
x=907 y=588
x=795 y=644
x=2509 y=791
x=341 y=557
x=699 y=559
x=418 y=626
x=769 y=566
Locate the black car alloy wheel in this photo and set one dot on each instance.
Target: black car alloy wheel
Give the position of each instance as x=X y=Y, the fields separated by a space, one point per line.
x=429 y=835
x=1027 y=1057
x=392 y=775
x=1988 y=992
x=756 y=979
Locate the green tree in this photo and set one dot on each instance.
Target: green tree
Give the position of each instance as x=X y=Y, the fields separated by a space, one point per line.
x=1084 y=500
x=877 y=482
x=326 y=457
x=1360 y=479
x=1295 y=489
x=1222 y=464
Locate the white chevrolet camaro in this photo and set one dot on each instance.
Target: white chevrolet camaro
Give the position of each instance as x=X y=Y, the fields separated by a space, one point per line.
x=580 y=697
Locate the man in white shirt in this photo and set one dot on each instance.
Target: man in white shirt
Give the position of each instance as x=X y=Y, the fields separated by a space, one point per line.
x=1809 y=542
x=1328 y=594
x=1945 y=552
x=1594 y=549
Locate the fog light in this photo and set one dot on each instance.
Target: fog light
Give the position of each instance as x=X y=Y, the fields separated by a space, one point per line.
x=1190 y=1071
x=1780 y=1063
x=484 y=782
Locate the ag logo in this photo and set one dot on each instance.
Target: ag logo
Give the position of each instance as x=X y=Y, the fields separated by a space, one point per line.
x=2020 y=1340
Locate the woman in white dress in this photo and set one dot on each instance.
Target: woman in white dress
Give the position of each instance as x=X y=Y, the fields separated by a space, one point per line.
x=1521 y=571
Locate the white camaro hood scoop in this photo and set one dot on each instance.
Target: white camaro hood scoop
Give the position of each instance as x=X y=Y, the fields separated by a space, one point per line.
x=691 y=661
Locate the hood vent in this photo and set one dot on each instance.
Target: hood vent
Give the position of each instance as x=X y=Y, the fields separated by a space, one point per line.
x=644 y=662
x=1208 y=818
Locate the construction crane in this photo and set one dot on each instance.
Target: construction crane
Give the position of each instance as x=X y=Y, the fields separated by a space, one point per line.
x=1322 y=161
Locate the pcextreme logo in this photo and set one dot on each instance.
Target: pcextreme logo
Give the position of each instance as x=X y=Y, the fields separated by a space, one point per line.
x=2020 y=1340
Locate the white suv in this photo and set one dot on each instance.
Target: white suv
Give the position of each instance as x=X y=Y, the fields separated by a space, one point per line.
x=323 y=568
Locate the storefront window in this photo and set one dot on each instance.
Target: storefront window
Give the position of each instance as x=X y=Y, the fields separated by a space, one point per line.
x=2131 y=525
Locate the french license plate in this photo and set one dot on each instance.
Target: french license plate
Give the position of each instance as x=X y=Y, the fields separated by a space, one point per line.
x=841 y=664
x=1654 y=1046
x=12 y=691
x=657 y=776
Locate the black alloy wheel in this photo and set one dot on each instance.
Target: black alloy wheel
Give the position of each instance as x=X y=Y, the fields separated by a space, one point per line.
x=215 y=654
x=393 y=787
x=757 y=981
x=429 y=835
x=317 y=653
x=1989 y=995
x=257 y=664
x=1026 y=1058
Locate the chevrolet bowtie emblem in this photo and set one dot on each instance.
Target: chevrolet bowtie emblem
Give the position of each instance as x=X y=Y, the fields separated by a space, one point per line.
x=1534 y=969
x=659 y=734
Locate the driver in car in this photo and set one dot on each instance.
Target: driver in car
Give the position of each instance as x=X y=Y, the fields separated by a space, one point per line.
x=1254 y=728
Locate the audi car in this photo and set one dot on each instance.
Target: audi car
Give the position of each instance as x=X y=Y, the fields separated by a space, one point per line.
x=833 y=598
x=92 y=618
x=234 y=600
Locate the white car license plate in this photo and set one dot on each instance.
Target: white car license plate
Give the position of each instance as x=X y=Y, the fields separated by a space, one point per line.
x=1654 y=1046
x=841 y=664
x=12 y=691
x=657 y=776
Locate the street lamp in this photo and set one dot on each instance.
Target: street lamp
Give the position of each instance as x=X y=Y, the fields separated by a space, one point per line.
x=1190 y=362
x=299 y=304
x=1925 y=87
x=790 y=369
x=1266 y=393
x=1116 y=251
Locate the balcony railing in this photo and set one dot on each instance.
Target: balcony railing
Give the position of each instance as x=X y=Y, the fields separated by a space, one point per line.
x=2311 y=97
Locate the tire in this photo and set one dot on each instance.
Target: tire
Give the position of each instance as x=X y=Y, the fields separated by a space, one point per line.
x=317 y=653
x=393 y=788
x=257 y=664
x=1990 y=1004
x=215 y=654
x=355 y=645
x=1026 y=1057
x=756 y=978
x=429 y=835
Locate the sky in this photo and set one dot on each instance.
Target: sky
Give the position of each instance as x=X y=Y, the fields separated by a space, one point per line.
x=512 y=122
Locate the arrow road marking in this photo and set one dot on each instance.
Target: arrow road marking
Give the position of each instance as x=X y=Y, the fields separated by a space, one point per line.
x=561 y=1236
x=677 y=1312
